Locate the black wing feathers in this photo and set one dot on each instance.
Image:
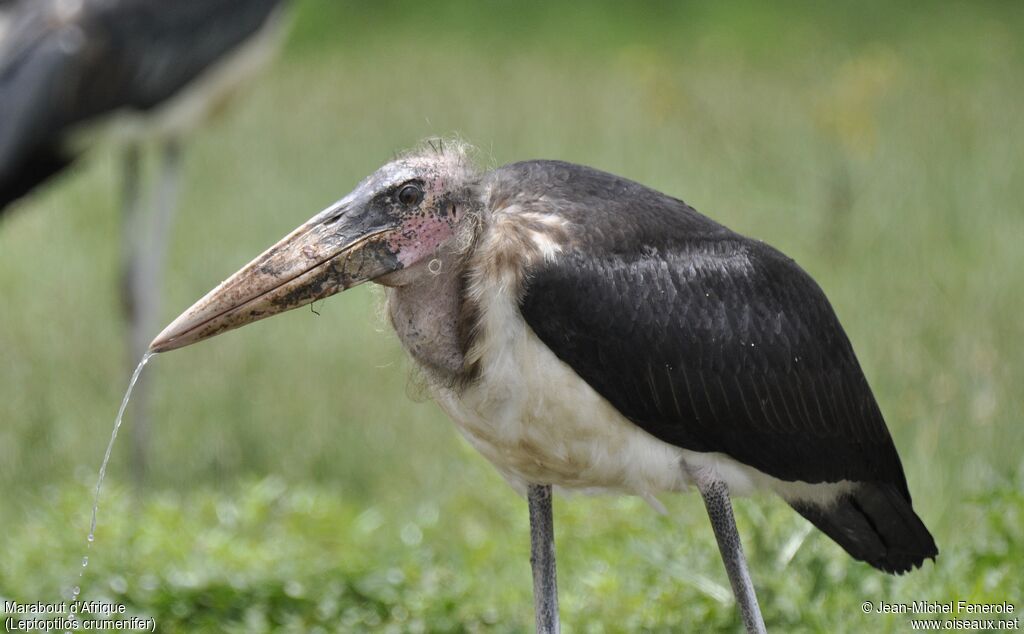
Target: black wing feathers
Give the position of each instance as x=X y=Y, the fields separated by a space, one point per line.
x=714 y=342
x=718 y=344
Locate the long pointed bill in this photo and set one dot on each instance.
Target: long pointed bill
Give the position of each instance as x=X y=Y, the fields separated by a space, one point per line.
x=337 y=249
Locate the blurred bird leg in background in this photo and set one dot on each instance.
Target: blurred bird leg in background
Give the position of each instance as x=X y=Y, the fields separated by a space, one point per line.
x=144 y=254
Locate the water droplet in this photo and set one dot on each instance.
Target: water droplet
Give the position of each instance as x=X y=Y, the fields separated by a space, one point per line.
x=91 y=538
x=85 y=561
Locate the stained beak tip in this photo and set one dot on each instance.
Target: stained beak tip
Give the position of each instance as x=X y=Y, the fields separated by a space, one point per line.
x=170 y=338
x=160 y=344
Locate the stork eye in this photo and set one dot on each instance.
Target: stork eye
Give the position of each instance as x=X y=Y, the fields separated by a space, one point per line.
x=410 y=195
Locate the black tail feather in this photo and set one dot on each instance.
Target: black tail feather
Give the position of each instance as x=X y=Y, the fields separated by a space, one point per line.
x=875 y=523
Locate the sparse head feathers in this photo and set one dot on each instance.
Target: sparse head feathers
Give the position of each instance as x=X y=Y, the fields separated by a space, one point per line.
x=453 y=157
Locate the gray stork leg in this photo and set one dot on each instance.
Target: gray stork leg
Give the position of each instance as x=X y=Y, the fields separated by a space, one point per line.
x=131 y=238
x=716 y=499
x=145 y=251
x=131 y=235
x=542 y=558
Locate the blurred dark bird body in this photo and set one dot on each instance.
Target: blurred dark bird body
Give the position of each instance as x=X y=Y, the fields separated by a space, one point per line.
x=163 y=66
x=587 y=332
x=146 y=71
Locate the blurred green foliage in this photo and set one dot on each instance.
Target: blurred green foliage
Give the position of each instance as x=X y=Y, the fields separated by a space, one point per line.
x=268 y=556
x=878 y=144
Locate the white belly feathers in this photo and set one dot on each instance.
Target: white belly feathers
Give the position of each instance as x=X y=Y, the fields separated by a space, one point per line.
x=538 y=422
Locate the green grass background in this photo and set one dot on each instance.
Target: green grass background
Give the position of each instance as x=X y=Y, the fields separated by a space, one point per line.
x=294 y=485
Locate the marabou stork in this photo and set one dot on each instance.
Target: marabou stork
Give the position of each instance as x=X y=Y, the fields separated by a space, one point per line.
x=151 y=71
x=587 y=332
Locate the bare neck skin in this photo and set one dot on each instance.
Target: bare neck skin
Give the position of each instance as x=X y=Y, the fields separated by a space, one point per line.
x=424 y=308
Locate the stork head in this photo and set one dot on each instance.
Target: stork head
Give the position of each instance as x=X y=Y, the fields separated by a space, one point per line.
x=387 y=229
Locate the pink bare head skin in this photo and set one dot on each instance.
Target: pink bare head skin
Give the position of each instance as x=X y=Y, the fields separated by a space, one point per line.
x=387 y=229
